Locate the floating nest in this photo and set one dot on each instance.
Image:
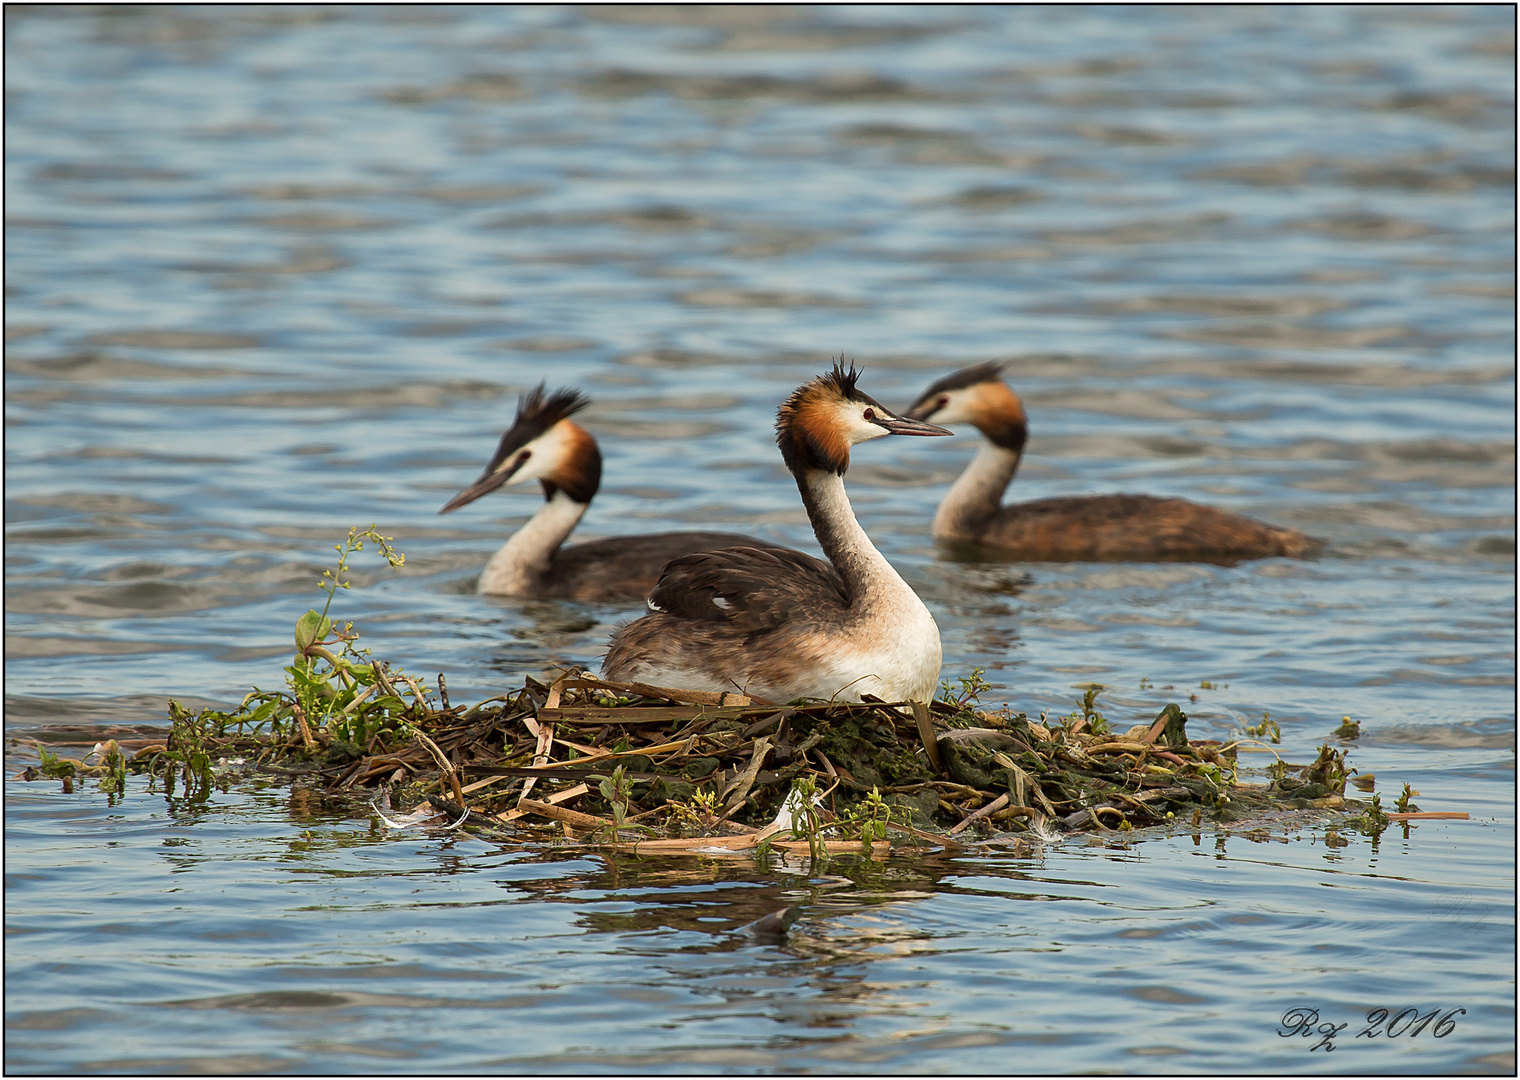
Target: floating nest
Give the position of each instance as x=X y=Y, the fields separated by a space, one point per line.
x=649 y=768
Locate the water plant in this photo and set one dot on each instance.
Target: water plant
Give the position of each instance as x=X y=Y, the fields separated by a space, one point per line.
x=184 y=754
x=111 y=769
x=338 y=699
x=1329 y=769
x=328 y=686
x=1087 y=712
x=867 y=820
x=52 y=766
x=1096 y=723
x=970 y=686
x=807 y=822
x=1373 y=819
x=617 y=789
x=114 y=782
x=701 y=811
x=1267 y=729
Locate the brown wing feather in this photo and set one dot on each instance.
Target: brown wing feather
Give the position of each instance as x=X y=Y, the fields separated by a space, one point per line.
x=1134 y=527
x=626 y=567
x=751 y=590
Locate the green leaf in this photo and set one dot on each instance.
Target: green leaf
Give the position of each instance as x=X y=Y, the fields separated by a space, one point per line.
x=310 y=629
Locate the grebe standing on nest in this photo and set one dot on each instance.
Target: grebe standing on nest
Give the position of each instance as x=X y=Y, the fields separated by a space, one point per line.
x=1094 y=528
x=544 y=444
x=783 y=625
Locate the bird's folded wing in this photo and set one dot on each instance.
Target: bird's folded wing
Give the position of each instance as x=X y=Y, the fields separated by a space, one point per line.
x=753 y=589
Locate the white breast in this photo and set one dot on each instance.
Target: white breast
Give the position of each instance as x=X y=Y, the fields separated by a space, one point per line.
x=899 y=661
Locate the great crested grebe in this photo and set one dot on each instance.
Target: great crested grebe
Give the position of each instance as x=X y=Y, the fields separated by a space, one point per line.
x=1094 y=528
x=544 y=444
x=783 y=625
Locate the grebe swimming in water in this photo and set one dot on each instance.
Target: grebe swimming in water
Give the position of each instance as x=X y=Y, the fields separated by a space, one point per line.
x=783 y=625
x=544 y=444
x=1095 y=528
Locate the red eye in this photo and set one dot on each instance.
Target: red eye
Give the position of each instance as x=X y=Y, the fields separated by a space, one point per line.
x=942 y=402
x=869 y=414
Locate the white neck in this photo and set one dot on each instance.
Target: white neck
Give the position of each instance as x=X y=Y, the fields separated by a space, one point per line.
x=527 y=555
x=866 y=572
x=894 y=640
x=976 y=495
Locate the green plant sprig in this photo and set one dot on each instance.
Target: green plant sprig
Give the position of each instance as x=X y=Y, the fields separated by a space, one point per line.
x=807 y=821
x=870 y=818
x=1087 y=709
x=617 y=789
x=352 y=699
x=331 y=695
x=1266 y=729
x=971 y=687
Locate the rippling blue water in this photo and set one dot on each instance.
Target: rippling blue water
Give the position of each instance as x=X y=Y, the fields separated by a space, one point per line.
x=274 y=272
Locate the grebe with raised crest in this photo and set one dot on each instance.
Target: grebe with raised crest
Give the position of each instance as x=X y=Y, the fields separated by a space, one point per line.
x=782 y=625
x=544 y=444
x=1087 y=528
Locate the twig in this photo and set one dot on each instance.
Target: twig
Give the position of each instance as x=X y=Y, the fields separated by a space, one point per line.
x=305 y=727
x=358 y=699
x=1155 y=730
x=1127 y=746
x=417 y=694
x=487 y=782
x=557 y=798
x=445 y=765
x=761 y=727
x=1253 y=743
x=559 y=813
x=479 y=705
x=742 y=785
x=544 y=732
x=926 y=733
x=695 y=697
x=385 y=684
x=466 y=815
x=828 y=767
x=991 y=808
x=579 y=748
x=555 y=691
x=540 y=752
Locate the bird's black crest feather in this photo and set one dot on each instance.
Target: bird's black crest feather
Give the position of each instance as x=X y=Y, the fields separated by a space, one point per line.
x=536 y=415
x=802 y=449
x=536 y=410
x=843 y=380
x=959 y=380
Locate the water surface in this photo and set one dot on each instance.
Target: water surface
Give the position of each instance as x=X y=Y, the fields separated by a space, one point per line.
x=275 y=272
